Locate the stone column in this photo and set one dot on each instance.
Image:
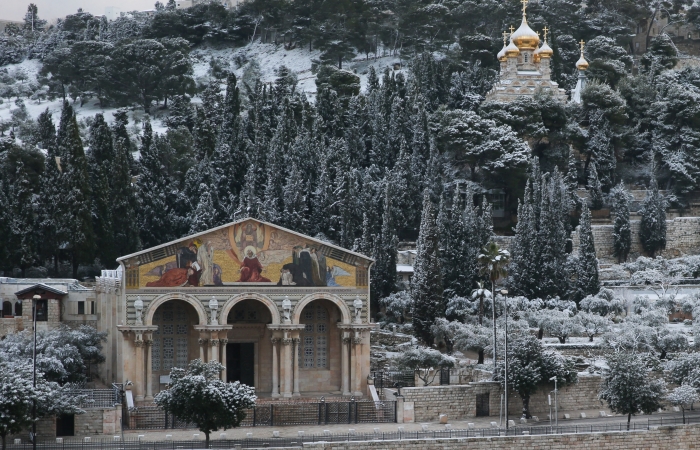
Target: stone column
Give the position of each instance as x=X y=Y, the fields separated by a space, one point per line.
x=202 y=343
x=213 y=349
x=357 y=364
x=295 y=365
x=223 y=342
x=275 y=368
x=139 y=367
x=286 y=366
x=345 y=364
x=149 y=368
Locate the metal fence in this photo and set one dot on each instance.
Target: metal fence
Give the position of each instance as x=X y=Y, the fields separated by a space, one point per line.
x=97 y=398
x=272 y=442
x=393 y=380
x=279 y=414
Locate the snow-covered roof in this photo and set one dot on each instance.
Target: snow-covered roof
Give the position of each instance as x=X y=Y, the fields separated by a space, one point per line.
x=404 y=268
x=41 y=286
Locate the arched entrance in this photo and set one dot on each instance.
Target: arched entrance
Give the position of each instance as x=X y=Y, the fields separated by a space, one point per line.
x=248 y=351
x=320 y=348
x=175 y=342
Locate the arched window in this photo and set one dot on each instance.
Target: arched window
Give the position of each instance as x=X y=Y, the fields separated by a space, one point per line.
x=313 y=353
x=525 y=56
x=18 y=309
x=6 y=309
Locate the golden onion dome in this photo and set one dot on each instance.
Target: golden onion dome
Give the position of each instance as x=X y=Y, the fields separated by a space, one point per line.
x=502 y=54
x=512 y=50
x=525 y=37
x=545 y=51
x=582 y=64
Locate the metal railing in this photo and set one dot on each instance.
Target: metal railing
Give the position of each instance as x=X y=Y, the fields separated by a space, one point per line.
x=272 y=442
x=279 y=414
x=395 y=379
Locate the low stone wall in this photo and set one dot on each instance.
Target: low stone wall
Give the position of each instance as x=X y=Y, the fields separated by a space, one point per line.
x=389 y=338
x=682 y=238
x=95 y=421
x=459 y=402
x=10 y=325
x=677 y=438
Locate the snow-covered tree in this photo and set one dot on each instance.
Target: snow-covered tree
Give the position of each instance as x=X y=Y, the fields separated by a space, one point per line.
x=595 y=190
x=683 y=396
x=397 y=306
x=560 y=324
x=530 y=366
x=426 y=284
x=426 y=362
x=18 y=396
x=587 y=281
x=652 y=229
x=627 y=387
x=592 y=324
x=198 y=395
x=622 y=232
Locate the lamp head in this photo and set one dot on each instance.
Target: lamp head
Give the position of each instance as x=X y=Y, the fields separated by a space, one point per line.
x=36 y=297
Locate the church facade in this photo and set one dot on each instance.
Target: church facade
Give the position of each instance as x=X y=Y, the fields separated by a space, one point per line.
x=284 y=313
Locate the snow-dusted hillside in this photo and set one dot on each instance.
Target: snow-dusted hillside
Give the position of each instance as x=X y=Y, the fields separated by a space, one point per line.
x=269 y=57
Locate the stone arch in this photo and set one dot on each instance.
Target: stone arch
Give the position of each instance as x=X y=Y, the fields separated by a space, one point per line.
x=231 y=302
x=158 y=301
x=339 y=302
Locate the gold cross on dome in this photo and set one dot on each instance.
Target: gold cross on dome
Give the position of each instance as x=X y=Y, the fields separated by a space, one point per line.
x=505 y=37
x=524 y=2
x=582 y=44
x=512 y=28
x=546 y=30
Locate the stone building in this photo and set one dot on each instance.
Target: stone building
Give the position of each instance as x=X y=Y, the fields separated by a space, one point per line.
x=525 y=65
x=283 y=312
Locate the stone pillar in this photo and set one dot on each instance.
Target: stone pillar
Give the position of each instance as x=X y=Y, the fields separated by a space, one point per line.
x=224 y=375
x=275 y=369
x=357 y=365
x=286 y=366
x=149 y=368
x=213 y=349
x=345 y=364
x=139 y=367
x=295 y=365
x=202 y=343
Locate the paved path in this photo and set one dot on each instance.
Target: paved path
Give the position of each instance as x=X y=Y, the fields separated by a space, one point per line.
x=292 y=431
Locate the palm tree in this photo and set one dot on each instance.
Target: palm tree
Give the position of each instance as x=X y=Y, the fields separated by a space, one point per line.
x=481 y=293
x=493 y=262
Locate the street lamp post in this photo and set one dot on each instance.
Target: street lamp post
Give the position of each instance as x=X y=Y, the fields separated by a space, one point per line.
x=505 y=377
x=35 y=299
x=556 y=414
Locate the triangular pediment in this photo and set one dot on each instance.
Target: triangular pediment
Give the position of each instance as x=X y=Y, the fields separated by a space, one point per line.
x=246 y=252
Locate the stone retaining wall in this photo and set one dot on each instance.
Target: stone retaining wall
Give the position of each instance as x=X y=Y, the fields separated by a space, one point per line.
x=682 y=238
x=459 y=402
x=676 y=438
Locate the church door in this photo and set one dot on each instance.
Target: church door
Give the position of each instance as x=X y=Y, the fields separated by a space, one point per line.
x=240 y=359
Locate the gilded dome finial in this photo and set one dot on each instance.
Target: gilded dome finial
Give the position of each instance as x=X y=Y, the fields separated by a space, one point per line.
x=524 y=37
x=524 y=2
x=582 y=64
x=546 y=30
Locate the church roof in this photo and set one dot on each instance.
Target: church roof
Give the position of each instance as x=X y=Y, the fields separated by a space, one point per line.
x=142 y=253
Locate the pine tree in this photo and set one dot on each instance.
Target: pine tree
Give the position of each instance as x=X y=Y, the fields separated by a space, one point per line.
x=21 y=239
x=384 y=271
x=572 y=183
x=295 y=214
x=76 y=220
x=248 y=202
x=587 y=281
x=652 y=230
x=271 y=207
x=204 y=214
x=622 y=232
x=100 y=159
x=426 y=284
x=595 y=190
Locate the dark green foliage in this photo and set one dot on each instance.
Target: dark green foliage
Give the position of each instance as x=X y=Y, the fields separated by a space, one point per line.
x=595 y=191
x=426 y=284
x=652 y=229
x=586 y=275
x=622 y=232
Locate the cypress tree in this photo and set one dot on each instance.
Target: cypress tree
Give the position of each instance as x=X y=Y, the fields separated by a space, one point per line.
x=622 y=232
x=426 y=284
x=76 y=220
x=372 y=80
x=21 y=238
x=5 y=218
x=272 y=205
x=204 y=213
x=50 y=192
x=123 y=197
x=595 y=190
x=587 y=281
x=248 y=200
x=384 y=271
x=551 y=240
x=572 y=183
x=652 y=229
x=295 y=214
x=100 y=159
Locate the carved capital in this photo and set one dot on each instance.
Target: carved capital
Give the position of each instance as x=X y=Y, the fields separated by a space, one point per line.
x=296 y=341
x=357 y=340
x=214 y=342
x=139 y=343
x=346 y=340
x=223 y=341
x=148 y=342
x=275 y=340
x=202 y=341
x=286 y=341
